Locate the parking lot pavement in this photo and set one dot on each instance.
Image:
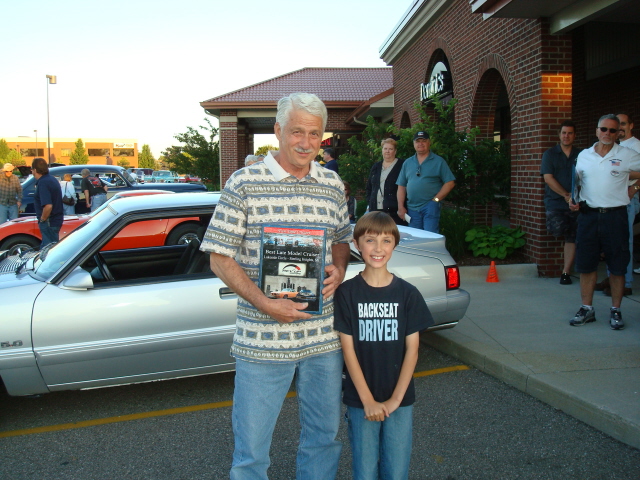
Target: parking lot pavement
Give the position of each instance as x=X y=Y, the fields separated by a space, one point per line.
x=518 y=331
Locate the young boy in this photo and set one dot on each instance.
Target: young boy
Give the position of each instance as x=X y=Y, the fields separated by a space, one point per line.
x=379 y=317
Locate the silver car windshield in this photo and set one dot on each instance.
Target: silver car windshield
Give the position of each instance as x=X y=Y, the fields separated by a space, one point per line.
x=51 y=260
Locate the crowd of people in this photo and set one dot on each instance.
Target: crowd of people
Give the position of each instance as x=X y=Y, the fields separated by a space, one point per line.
x=591 y=202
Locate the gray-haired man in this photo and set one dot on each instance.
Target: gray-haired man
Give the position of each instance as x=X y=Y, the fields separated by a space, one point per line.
x=95 y=191
x=274 y=339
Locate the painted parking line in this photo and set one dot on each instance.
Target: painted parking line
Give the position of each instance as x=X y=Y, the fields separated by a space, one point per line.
x=171 y=411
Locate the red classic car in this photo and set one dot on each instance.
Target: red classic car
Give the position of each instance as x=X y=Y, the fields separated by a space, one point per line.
x=23 y=233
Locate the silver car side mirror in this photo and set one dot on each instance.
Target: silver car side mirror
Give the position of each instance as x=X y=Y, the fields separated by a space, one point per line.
x=78 y=279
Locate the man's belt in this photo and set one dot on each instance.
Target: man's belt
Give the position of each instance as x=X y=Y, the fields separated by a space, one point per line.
x=587 y=208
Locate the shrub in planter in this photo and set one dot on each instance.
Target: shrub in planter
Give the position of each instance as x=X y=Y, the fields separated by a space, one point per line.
x=494 y=242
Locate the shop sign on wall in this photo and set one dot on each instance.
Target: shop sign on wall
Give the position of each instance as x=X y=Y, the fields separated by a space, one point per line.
x=439 y=83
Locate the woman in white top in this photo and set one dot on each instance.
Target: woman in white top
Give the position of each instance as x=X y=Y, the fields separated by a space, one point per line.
x=68 y=190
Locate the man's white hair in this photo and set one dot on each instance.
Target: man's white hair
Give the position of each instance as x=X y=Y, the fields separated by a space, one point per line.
x=307 y=102
x=250 y=160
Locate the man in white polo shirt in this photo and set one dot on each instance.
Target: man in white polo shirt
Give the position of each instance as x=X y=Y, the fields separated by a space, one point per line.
x=602 y=172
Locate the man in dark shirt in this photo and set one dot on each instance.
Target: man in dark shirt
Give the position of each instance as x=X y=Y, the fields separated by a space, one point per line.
x=557 y=168
x=95 y=191
x=329 y=157
x=48 y=202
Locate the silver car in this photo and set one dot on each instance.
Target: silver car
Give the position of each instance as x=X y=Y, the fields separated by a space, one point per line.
x=76 y=316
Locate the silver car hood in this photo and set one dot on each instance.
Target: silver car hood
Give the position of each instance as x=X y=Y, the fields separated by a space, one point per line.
x=11 y=280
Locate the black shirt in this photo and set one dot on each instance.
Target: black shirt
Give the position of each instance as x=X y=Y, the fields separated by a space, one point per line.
x=555 y=162
x=379 y=319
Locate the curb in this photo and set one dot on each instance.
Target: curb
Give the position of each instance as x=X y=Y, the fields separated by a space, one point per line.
x=519 y=376
x=520 y=270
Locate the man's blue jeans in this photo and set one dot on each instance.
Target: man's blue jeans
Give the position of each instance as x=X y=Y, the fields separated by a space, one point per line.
x=381 y=449
x=260 y=390
x=49 y=234
x=427 y=218
x=8 y=212
x=97 y=201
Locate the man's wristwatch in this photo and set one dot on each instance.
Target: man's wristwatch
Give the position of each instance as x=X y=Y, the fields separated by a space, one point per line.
x=436 y=199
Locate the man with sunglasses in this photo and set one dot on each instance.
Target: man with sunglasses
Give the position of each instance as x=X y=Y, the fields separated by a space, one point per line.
x=603 y=173
x=424 y=181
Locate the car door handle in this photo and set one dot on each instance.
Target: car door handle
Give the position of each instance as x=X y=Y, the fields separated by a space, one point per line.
x=226 y=292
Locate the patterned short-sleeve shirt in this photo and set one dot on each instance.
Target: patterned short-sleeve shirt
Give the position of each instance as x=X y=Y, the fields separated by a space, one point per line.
x=265 y=194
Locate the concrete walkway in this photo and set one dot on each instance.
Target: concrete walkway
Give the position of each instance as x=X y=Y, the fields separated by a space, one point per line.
x=518 y=330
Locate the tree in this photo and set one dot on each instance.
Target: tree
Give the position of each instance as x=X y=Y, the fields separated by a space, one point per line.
x=79 y=156
x=264 y=150
x=124 y=162
x=15 y=158
x=4 y=150
x=200 y=154
x=145 y=158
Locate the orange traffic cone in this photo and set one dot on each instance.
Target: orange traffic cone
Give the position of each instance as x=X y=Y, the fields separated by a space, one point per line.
x=492 y=276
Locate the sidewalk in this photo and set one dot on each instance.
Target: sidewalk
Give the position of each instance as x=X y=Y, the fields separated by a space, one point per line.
x=518 y=331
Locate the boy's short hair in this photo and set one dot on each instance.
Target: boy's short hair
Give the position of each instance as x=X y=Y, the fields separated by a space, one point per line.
x=376 y=223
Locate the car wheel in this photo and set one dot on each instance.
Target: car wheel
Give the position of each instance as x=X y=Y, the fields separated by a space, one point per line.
x=19 y=244
x=182 y=234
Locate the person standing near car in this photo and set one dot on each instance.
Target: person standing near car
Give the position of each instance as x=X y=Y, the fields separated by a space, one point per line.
x=68 y=191
x=47 y=201
x=274 y=340
x=424 y=181
x=10 y=194
x=95 y=191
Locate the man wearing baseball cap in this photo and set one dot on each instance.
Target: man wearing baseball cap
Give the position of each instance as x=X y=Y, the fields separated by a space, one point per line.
x=10 y=194
x=424 y=181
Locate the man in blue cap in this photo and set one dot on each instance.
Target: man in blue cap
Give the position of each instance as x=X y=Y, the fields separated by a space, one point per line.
x=424 y=182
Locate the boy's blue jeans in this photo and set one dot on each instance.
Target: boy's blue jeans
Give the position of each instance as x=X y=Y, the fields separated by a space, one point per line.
x=381 y=450
x=260 y=390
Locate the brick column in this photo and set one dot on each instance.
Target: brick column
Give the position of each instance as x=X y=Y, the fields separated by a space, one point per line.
x=228 y=144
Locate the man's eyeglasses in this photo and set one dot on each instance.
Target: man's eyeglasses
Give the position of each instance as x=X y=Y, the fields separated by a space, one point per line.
x=611 y=130
x=418 y=172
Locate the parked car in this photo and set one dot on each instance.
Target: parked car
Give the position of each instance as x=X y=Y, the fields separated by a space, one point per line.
x=23 y=233
x=188 y=178
x=162 y=312
x=118 y=179
x=164 y=176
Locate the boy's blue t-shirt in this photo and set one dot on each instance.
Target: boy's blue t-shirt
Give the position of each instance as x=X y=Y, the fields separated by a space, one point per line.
x=379 y=319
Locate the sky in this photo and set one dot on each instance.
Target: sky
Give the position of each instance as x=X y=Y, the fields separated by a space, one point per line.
x=138 y=69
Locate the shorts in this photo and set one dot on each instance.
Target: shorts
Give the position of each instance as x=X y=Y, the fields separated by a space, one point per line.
x=563 y=223
x=606 y=233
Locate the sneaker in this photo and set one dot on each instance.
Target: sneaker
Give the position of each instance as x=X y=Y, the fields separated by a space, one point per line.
x=565 y=279
x=616 y=320
x=584 y=315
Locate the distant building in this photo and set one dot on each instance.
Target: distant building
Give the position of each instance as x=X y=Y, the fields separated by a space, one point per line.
x=101 y=151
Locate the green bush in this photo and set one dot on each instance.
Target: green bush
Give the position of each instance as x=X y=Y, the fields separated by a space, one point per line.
x=454 y=224
x=494 y=242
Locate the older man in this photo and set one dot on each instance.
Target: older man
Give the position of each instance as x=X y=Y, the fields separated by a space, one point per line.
x=274 y=339
x=47 y=202
x=95 y=191
x=602 y=172
x=329 y=158
x=10 y=194
x=424 y=181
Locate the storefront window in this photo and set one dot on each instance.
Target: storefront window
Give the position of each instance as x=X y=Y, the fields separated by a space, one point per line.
x=32 y=152
x=123 y=152
x=65 y=152
x=98 y=152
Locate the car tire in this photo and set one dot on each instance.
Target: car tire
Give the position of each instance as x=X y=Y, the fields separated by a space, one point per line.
x=182 y=234
x=19 y=243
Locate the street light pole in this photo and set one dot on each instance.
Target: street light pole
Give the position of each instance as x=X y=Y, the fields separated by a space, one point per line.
x=50 y=79
x=36 y=132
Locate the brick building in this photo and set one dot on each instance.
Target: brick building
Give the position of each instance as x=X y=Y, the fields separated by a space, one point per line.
x=350 y=94
x=518 y=68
